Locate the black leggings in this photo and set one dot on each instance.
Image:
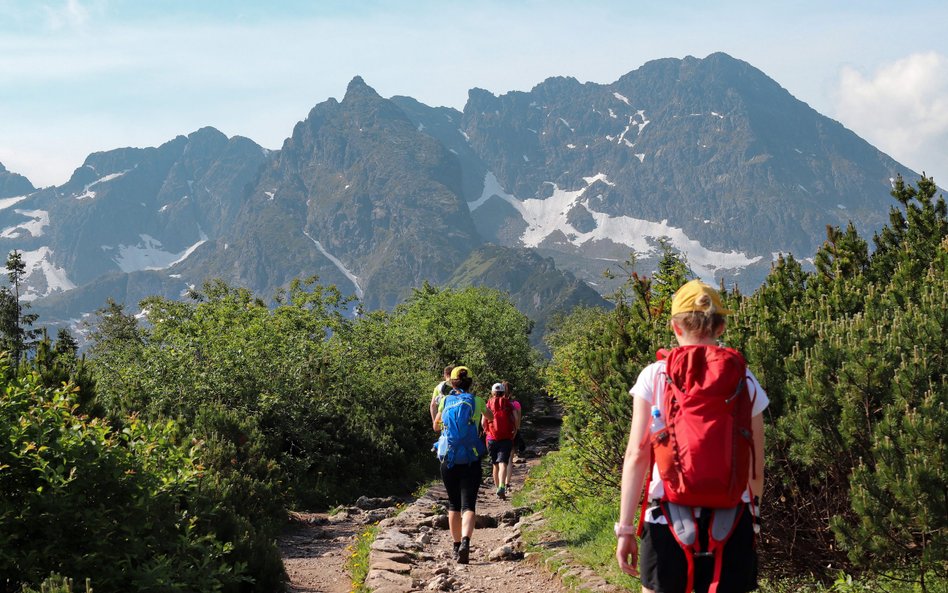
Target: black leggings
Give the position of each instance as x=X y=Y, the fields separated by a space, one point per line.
x=462 y=483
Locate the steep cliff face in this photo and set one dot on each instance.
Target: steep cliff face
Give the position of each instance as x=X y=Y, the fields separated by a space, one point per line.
x=378 y=195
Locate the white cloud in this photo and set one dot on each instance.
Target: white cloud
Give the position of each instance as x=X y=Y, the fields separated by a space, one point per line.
x=68 y=15
x=901 y=108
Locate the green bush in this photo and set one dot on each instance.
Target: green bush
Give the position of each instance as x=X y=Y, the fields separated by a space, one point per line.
x=322 y=390
x=288 y=400
x=84 y=500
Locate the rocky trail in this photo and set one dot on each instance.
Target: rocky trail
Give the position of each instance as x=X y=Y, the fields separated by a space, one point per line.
x=412 y=550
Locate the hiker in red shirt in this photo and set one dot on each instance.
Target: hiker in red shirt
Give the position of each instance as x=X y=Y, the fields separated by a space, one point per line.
x=697 y=444
x=501 y=429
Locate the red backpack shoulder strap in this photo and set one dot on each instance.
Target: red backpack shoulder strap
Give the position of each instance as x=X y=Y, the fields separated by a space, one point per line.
x=735 y=353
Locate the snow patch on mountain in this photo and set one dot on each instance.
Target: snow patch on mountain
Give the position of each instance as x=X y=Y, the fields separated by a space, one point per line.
x=645 y=121
x=622 y=98
x=7 y=202
x=339 y=265
x=598 y=177
x=87 y=192
x=546 y=216
x=492 y=188
x=39 y=219
x=39 y=261
x=626 y=130
x=149 y=254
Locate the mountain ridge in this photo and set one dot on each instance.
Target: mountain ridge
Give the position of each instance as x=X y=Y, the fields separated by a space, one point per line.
x=379 y=195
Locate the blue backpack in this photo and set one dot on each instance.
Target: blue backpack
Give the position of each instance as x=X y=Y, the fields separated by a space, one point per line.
x=459 y=442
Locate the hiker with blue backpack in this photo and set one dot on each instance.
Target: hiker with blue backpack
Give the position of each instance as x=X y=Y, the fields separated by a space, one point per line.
x=460 y=449
x=697 y=444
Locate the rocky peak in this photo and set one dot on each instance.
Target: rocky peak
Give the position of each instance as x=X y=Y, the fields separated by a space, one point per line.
x=12 y=184
x=208 y=136
x=358 y=89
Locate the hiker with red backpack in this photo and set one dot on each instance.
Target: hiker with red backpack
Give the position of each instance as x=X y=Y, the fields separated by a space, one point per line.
x=500 y=431
x=460 y=450
x=697 y=445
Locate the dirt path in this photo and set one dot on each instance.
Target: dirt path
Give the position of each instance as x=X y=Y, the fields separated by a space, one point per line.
x=413 y=551
x=315 y=547
x=511 y=573
x=314 y=553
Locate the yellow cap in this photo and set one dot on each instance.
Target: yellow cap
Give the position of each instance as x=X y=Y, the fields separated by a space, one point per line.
x=456 y=373
x=685 y=300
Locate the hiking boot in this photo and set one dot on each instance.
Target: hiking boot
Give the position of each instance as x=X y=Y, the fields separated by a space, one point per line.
x=454 y=553
x=501 y=493
x=464 y=551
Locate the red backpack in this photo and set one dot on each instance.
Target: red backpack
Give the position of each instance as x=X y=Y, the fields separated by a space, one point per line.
x=705 y=448
x=704 y=452
x=503 y=426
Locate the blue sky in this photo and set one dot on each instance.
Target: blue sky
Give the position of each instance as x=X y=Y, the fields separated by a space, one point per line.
x=77 y=76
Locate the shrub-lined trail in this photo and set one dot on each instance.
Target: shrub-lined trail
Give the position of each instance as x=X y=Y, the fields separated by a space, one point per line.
x=315 y=552
x=316 y=546
x=190 y=433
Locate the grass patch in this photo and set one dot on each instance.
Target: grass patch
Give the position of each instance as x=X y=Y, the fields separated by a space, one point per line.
x=357 y=558
x=585 y=525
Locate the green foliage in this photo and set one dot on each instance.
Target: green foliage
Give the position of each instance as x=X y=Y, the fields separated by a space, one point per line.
x=477 y=327
x=862 y=436
x=911 y=240
x=289 y=399
x=82 y=499
x=58 y=363
x=853 y=358
x=16 y=333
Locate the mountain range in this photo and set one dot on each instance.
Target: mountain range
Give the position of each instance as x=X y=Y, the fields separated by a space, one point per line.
x=532 y=192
